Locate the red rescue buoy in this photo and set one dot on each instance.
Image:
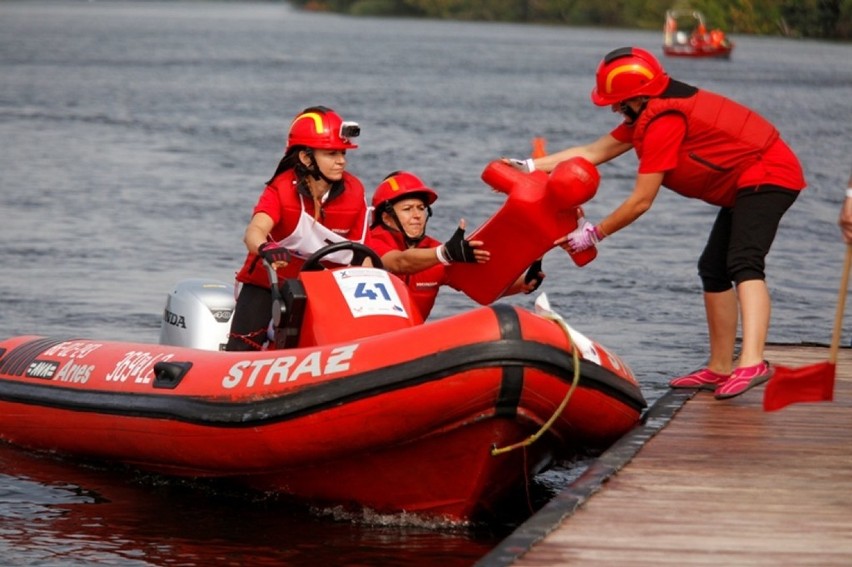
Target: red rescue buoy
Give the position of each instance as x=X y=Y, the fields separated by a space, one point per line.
x=540 y=209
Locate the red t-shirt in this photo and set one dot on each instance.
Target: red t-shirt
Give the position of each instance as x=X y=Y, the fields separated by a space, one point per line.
x=424 y=285
x=344 y=213
x=777 y=166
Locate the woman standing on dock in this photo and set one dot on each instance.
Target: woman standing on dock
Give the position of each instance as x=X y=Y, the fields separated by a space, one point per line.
x=704 y=146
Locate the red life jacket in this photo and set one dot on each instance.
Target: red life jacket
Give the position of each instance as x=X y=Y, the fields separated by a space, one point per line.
x=723 y=139
x=344 y=212
x=423 y=285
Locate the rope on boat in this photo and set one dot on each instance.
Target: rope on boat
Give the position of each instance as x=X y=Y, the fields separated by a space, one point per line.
x=547 y=425
x=248 y=338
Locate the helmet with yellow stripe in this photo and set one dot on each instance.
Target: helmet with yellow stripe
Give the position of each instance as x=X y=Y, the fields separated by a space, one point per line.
x=395 y=187
x=399 y=185
x=322 y=128
x=626 y=73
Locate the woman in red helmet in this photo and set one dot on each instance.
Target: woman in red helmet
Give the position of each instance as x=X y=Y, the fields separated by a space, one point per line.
x=704 y=146
x=310 y=202
x=402 y=205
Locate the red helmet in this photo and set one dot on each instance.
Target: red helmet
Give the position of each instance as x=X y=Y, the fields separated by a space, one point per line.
x=626 y=73
x=399 y=185
x=321 y=128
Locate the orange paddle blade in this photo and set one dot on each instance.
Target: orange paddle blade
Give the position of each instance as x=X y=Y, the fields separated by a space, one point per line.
x=813 y=383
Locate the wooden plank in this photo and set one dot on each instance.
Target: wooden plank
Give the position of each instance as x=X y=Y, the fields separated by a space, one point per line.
x=723 y=483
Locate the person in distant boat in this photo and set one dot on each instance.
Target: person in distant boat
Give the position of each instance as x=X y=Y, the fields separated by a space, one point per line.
x=699 y=35
x=402 y=205
x=717 y=38
x=845 y=220
x=310 y=201
x=703 y=146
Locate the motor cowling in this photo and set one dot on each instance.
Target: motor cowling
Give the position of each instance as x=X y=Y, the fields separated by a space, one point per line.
x=198 y=315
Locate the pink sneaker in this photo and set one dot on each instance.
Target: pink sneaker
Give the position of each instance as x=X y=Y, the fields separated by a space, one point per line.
x=703 y=379
x=744 y=379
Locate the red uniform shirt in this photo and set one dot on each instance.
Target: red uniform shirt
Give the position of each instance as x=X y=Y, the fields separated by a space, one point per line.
x=676 y=142
x=423 y=285
x=344 y=212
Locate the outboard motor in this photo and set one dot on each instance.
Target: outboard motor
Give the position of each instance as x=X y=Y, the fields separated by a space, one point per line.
x=198 y=315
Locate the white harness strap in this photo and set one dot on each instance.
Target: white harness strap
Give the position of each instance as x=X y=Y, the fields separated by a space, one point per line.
x=310 y=235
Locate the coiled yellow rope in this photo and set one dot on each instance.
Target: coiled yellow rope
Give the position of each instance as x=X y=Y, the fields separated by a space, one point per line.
x=576 y=357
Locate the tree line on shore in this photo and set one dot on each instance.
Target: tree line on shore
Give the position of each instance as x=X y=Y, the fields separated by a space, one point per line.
x=826 y=19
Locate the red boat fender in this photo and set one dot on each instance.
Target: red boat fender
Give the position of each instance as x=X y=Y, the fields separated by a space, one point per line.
x=540 y=209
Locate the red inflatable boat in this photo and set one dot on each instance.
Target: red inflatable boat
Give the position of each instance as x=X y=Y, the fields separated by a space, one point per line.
x=366 y=406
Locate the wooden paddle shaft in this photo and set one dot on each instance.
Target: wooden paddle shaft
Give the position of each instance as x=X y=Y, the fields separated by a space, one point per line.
x=841 y=304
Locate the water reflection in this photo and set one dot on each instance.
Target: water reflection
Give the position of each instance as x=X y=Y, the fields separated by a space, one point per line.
x=117 y=516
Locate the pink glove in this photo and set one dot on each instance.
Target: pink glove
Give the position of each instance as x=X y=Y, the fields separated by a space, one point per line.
x=273 y=253
x=584 y=236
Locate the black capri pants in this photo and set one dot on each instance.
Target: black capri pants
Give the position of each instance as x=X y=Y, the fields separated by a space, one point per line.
x=741 y=237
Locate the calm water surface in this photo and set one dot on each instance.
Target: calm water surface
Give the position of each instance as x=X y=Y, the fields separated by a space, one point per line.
x=137 y=136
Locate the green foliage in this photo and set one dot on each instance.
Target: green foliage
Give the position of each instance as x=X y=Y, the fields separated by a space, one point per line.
x=488 y=10
x=814 y=18
x=798 y=18
x=382 y=8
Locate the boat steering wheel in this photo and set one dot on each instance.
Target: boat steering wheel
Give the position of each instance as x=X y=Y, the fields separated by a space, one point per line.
x=359 y=253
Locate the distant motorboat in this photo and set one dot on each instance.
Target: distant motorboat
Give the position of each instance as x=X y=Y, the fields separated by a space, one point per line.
x=685 y=35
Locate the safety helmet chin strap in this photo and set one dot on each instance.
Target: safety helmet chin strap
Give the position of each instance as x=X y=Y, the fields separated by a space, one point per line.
x=408 y=240
x=313 y=169
x=632 y=115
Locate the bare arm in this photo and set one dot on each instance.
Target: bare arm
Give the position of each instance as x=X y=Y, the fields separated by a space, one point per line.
x=640 y=200
x=409 y=261
x=644 y=192
x=516 y=287
x=601 y=150
x=413 y=260
x=521 y=285
x=257 y=231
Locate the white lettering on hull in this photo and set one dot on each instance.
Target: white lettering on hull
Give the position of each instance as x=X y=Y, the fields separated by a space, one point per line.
x=138 y=365
x=72 y=349
x=289 y=368
x=75 y=373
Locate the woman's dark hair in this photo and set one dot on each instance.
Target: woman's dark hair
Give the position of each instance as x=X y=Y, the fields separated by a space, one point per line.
x=290 y=161
x=291 y=156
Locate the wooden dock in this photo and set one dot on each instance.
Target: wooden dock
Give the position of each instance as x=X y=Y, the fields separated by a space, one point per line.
x=708 y=482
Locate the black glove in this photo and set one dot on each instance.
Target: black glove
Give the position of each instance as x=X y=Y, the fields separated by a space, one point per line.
x=457 y=249
x=272 y=252
x=534 y=274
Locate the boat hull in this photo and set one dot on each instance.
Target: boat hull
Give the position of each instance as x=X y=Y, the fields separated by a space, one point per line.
x=404 y=421
x=706 y=52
